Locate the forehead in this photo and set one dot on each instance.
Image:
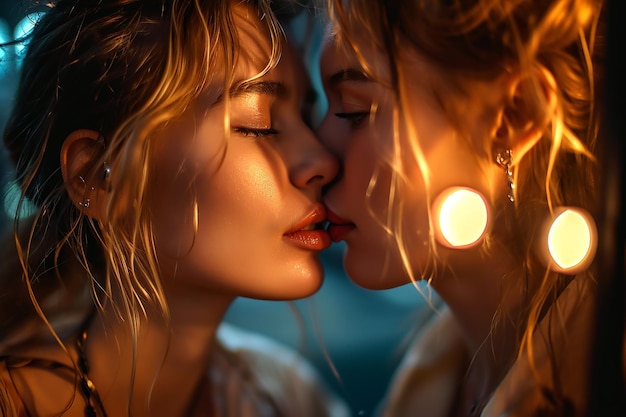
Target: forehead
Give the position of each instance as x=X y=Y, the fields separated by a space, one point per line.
x=253 y=52
x=341 y=61
x=261 y=56
x=254 y=40
x=338 y=55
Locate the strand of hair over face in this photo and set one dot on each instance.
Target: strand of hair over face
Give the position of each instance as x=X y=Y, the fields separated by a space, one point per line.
x=482 y=39
x=148 y=67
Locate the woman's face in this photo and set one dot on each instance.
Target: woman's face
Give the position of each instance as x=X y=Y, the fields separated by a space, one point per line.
x=359 y=129
x=259 y=209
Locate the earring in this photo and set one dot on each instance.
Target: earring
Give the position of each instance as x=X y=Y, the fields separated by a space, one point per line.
x=86 y=201
x=504 y=159
x=461 y=217
x=568 y=240
x=107 y=172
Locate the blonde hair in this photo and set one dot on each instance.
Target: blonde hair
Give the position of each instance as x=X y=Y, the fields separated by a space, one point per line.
x=481 y=39
x=123 y=68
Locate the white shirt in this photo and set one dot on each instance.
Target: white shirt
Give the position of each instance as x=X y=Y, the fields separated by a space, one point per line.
x=259 y=377
x=427 y=380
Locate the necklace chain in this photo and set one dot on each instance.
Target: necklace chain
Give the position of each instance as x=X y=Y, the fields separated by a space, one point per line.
x=87 y=386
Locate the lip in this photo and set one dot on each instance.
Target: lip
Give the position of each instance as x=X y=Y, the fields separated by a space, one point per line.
x=334 y=218
x=305 y=237
x=338 y=227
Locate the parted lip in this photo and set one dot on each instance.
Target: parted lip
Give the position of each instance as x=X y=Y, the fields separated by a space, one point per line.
x=315 y=216
x=334 y=218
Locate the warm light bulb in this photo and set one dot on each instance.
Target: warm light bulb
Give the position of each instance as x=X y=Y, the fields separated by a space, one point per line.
x=569 y=239
x=461 y=217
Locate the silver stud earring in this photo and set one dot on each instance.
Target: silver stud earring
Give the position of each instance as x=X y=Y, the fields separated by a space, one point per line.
x=86 y=201
x=107 y=171
x=504 y=159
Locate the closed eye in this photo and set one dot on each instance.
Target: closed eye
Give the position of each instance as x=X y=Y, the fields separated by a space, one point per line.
x=356 y=119
x=257 y=133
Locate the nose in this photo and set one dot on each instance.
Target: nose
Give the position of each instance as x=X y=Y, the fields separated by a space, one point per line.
x=315 y=165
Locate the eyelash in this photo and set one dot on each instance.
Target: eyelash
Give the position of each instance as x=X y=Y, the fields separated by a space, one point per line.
x=356 y=119
x=256 y=133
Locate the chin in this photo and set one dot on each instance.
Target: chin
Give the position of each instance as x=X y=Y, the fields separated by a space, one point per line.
x=371 y=276
x=311 y=282
x=303 y=282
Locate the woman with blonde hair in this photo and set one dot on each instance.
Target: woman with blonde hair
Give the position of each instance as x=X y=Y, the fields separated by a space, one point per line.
x=167 y=163
x=466 y=131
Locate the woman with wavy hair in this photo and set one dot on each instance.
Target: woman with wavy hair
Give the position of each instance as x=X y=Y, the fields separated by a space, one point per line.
x=467 y=132
x=166 y=155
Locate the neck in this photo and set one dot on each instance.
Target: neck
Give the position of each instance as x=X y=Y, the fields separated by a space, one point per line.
x=485 y=298
x=170 y=361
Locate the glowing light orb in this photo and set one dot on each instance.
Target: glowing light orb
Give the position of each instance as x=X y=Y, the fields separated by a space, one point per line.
x=570 y=239
x=462 y=217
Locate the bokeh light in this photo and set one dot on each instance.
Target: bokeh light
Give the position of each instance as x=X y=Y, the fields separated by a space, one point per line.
x=570 y=238
x=23 y=28
x=5 y=37
x=461 y=216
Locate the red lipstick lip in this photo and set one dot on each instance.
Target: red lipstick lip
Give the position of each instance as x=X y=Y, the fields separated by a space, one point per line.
x=335 y=219
x=315 y=239
x=317 y=215
x=338 y=227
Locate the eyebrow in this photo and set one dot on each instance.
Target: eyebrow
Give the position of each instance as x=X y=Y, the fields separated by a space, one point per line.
x=270 y=88
x=348 y=74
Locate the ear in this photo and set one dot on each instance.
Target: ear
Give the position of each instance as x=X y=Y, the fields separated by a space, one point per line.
x=526 y=111
x=84 y=173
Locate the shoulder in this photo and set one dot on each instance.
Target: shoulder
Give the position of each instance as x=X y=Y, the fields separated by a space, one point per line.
x=555 y=377
x=285 y=375
x=10 y=402
x=33 y=387
x=426 y=380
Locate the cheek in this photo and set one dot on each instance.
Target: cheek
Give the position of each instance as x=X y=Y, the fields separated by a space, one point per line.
x=255 y=182
x=396 y=201
x=173 y=213
x=180 y=170
x=333 y=133
x=360 y=163
x=368 y=168
x=452 y=156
